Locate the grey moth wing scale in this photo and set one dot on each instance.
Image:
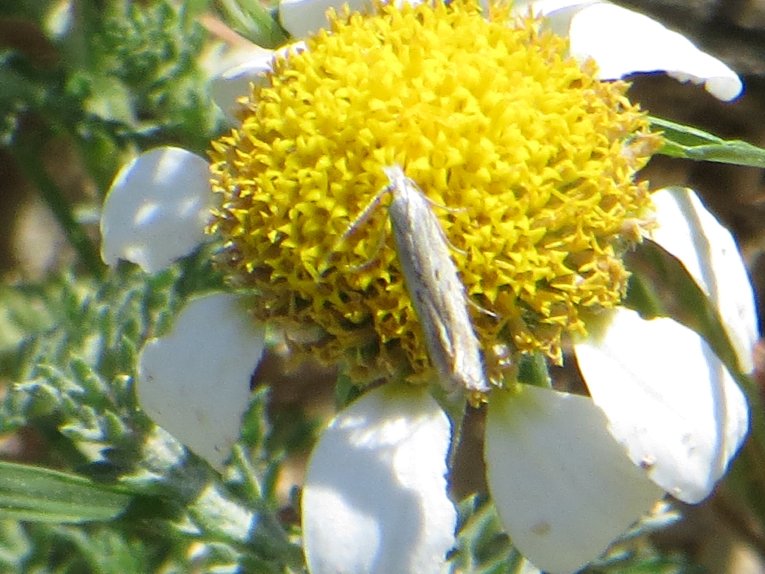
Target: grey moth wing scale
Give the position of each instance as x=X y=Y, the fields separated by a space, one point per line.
x=434 y=286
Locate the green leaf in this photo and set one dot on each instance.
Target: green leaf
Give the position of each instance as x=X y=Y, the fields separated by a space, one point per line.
x=43 y=495
x=692 y=143
x=482 y=547
x=255 y=22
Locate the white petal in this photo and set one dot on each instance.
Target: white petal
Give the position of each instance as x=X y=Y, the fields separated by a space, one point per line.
x=623 y=42
x=234 y=83
x=375 y=499
x=156 y=209
x=195 y=381
x=304 y=17
x=709 y=253
x=669 y=400
x=563 y=488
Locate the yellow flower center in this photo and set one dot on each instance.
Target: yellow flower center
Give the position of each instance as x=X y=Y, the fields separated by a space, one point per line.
x=527 y=159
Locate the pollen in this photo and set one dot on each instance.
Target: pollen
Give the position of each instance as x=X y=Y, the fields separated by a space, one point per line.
x=528 y=161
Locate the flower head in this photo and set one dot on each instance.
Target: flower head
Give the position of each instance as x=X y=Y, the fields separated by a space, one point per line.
x=529 y=160
x=534 y=170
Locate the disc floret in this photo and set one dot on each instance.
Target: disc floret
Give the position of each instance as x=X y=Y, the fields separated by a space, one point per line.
x=528 y=159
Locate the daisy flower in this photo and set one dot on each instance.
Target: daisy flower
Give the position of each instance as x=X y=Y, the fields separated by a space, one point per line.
x=532 y=156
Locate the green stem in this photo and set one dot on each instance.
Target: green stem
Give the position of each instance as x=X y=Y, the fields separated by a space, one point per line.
x=54 y=199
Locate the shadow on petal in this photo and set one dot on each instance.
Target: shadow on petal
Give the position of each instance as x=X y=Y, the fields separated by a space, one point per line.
x=375 y=498
x=688 y=231
x=563 y=488
x=156 y=209
x=195 y=381
x=669 y=400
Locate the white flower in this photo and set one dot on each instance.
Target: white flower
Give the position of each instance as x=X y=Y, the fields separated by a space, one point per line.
x=567 y=473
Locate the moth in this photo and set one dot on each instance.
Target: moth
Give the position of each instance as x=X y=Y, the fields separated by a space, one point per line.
x=437 y=293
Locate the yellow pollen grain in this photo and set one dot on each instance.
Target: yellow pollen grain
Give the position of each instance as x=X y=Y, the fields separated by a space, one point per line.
x=530 y=157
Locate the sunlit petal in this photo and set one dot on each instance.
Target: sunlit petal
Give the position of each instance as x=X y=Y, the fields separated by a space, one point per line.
x=709 y=253
x=564 y=489
x=195 y=380
x=669 y=400
x=156 y=209
x=623 y=42
x=375 y=499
